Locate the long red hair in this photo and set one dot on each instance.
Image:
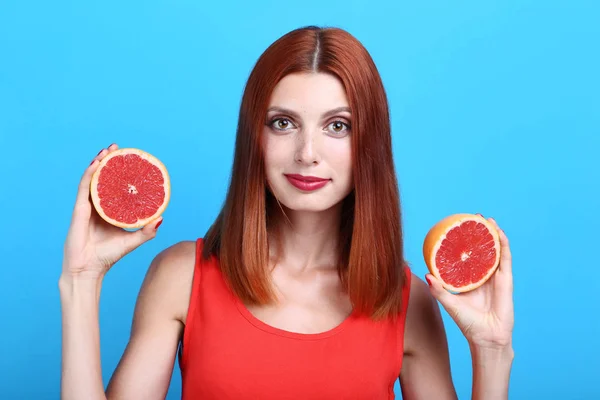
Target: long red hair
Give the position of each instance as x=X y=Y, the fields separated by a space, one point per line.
x=371 y=256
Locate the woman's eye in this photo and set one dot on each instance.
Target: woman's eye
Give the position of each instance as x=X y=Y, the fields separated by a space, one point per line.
x=338 y=127
x=281 y=124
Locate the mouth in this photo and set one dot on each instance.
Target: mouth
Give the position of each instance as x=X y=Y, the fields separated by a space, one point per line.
x=306 y=183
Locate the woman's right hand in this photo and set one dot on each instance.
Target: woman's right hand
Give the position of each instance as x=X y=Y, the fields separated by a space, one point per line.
x=92 y=245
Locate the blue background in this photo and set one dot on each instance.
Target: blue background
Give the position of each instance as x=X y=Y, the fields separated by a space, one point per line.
x=495 y=109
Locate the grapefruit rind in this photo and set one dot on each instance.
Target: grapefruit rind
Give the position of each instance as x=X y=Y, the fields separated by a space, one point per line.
x=140 y=222
x=437 y=234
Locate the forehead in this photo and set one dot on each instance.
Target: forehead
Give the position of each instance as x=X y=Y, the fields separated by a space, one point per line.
x=309 y=91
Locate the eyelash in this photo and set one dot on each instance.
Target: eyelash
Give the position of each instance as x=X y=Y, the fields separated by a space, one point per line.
x=275 y=119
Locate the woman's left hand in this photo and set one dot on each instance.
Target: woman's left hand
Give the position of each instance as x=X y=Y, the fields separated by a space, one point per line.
x=484 y=315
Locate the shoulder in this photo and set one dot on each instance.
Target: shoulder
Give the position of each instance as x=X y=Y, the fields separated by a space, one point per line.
x=178 y=255
x=169 y=278
x=420 y=294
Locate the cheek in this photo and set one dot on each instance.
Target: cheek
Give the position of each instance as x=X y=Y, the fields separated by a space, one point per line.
x=275 y=152
x=268 y=151
x=340 y=156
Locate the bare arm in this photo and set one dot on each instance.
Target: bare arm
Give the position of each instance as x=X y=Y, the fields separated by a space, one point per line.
x=81 y=372
x=491 y=372
x=426 y=366
x=145 y=369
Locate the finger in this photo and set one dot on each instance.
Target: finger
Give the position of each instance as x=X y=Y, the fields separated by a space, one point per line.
x=100 y=155
x=503 y=282
x=505 y=253
x=83 y=191
x=82 y=209
x=506 y=256
x=446 y=299
x=141 y=236
x=87 y=176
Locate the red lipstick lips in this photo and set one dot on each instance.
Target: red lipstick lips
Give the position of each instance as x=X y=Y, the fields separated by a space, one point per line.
x=306 y=183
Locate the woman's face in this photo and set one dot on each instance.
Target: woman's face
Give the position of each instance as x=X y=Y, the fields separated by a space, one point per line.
x=307 y=142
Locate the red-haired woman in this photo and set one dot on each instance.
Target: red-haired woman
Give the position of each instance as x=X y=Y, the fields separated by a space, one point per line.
x=300 y=289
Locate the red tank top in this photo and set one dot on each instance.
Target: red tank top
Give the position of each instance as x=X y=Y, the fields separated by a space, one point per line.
x=230 y=354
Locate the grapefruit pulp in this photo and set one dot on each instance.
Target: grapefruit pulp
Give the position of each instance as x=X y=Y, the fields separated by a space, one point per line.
x=130 y=188
x=462 y=251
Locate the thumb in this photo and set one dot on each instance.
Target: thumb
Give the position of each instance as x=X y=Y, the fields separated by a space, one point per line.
x=141 y=236
x=446 y=299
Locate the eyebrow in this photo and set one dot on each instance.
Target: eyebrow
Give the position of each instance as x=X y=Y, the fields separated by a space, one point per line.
x=296 y=115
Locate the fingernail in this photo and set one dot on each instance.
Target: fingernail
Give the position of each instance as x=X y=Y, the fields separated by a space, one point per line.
x=428 y=281
x=93 y=161
x=100 y=152
x=157 y=225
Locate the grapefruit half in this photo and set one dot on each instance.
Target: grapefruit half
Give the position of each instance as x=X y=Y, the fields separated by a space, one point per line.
x=462 y=251
x=130 y=188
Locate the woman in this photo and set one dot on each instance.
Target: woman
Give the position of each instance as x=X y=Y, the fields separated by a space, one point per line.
x=299 y=290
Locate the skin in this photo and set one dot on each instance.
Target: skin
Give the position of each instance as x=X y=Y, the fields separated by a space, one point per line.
x=300 y=140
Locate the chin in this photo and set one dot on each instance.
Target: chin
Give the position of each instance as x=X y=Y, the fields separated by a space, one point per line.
x=299 y=205
x=318 y=201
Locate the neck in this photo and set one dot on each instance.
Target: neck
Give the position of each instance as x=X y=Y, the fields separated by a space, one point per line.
x=308 y=240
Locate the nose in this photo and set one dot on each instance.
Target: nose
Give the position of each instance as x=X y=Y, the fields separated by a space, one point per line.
x=307 y=148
